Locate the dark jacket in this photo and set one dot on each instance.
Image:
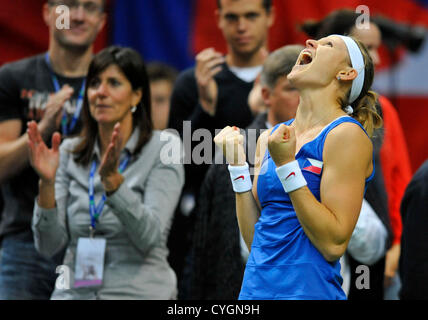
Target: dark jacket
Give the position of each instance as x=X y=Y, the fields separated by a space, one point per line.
x=414 y=241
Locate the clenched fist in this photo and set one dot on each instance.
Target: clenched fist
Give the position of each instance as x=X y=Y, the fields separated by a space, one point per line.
x=231 y=142
x=282 y=145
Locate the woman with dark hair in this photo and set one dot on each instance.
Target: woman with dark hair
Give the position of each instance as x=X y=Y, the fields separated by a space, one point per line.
x=106 y=195
x=310 y=176
x=392 y=160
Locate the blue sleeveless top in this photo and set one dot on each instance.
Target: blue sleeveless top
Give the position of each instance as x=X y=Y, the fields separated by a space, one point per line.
x=283 y=263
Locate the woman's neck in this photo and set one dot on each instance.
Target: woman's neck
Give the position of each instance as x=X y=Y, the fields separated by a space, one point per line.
x=105 y=132
x=317 y=108
x=69 y=63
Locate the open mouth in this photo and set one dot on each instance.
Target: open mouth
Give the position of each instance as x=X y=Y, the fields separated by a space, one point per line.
x=305 y=58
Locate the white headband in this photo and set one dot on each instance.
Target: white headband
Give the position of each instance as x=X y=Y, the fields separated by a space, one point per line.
x=357 y=62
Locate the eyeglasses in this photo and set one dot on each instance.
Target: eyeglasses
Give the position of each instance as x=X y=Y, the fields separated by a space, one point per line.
x=89 y=7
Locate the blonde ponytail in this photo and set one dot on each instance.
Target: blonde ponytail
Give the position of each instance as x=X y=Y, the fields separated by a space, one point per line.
x=365 y=112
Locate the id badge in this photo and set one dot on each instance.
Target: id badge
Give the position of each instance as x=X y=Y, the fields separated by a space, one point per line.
x=89 y=262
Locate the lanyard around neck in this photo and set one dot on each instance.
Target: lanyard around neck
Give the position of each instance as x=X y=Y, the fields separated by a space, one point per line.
x=96 y=210
x=66 y=130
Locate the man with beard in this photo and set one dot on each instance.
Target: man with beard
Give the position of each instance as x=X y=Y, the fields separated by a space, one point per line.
x=49 y=89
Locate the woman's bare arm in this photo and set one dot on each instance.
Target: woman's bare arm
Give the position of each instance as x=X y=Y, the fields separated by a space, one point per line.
x=347 y=162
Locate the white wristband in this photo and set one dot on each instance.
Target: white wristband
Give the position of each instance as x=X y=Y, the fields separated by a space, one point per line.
x=291 y=176
x=240 y=177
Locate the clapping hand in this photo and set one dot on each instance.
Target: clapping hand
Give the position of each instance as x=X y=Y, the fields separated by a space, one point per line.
x=44 y=160
x=53 y=112
x=108 y=171
x=208 y=64
x=255 y=98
